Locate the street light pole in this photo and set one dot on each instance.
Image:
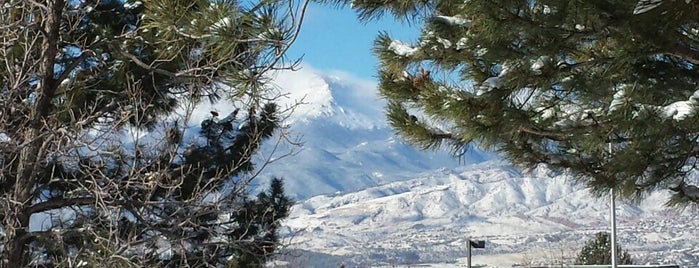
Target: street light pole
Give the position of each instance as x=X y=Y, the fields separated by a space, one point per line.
x=612 y=218
x=613 y=236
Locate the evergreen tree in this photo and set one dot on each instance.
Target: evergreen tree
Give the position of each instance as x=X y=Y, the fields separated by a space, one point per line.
x=75 y=76
x=599 y=251
x=231 y=229
x=606 y=90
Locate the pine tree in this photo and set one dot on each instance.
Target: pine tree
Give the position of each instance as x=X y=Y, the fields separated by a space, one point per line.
x=232 y=229
x=76 y=76
x=606 y=90
x=598 y=251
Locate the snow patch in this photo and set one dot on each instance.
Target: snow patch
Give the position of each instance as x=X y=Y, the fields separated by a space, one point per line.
x=539 y=63
x=481 y=51
x=644 y=6
x=618 y=100
x=222 y=23
x=547 y=10
x=454 y=20
x=402 y=49
x=133 y=5
x=461 y=44
x=494 y=82
x=679 y=110
x=446 y=43
x=491 y=83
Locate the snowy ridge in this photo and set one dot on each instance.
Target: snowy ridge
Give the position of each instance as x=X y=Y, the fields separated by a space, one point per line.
x=428 y=220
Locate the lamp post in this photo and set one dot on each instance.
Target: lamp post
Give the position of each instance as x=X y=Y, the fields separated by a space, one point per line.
x=474 y=244
x=612 y=218
x=613 y=222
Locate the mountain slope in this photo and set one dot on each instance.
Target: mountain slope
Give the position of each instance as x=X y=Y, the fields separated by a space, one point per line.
x=429 y=219
x=347 y=145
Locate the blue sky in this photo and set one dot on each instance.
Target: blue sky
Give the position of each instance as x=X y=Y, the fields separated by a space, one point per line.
x=333 y=39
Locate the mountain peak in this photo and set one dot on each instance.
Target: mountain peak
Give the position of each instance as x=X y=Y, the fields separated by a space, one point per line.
x=307 y=91
x=337 y=97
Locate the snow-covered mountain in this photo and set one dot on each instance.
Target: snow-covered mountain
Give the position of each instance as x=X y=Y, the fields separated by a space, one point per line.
x=347 y=144
x=531 y=218
x=366 y=198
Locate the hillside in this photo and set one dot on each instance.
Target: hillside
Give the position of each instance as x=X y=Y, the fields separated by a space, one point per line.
x=535 y=217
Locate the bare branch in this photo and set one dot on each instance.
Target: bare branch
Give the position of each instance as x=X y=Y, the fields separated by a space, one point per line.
x=57 y=203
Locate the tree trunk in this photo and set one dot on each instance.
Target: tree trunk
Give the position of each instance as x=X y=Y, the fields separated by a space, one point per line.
x=16 y=251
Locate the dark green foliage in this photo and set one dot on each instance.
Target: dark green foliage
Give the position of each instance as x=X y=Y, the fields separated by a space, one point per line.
x=228 y=149
x=553 y=82
x=260 y=219
x=599 y=251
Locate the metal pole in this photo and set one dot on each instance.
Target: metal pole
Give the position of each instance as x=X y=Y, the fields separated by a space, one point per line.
x=613 y=237
x=468 y=254
x=612 y=213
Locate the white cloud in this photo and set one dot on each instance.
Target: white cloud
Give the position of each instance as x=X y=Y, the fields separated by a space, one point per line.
x=352 y=101
x=313 y=93
x=304 y=89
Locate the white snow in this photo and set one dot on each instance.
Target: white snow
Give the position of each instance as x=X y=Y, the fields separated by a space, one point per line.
x=494 y=82
x=481 y=51
x=402 y=49
x=539 y=63
x=222 y=23
x=618 y=100
x=490 y=84
x=461 y=44
x=454 y=20
x=643 y=6
x=133 y=5
x=446 y=43
x=679 y=110
x=163 y=248
x=547 y=10
x=347 y=143
x=363 y=192
x=546 y=112
x=306 y=90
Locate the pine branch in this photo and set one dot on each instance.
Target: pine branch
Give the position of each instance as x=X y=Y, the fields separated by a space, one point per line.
x=546 y=134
